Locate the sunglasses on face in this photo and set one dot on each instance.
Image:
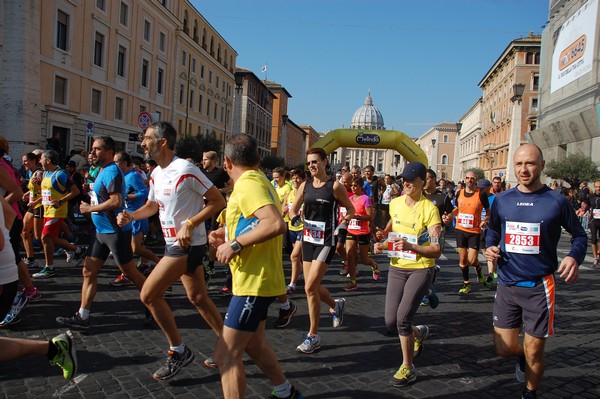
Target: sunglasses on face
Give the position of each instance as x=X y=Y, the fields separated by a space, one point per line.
x=313 y=162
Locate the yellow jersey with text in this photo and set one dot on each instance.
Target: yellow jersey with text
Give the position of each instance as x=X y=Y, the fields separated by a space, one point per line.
x=55 y=185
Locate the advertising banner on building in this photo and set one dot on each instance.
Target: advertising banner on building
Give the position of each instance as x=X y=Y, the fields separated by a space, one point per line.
x=575 y=44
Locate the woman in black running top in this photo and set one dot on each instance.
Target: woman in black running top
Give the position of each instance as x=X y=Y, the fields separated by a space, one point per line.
x=320 y=194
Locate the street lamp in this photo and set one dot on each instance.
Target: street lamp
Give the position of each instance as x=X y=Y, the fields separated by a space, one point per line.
x=433 y=155
x=515 y=131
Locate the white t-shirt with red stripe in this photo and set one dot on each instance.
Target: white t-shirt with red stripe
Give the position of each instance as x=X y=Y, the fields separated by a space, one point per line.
x=179 y=192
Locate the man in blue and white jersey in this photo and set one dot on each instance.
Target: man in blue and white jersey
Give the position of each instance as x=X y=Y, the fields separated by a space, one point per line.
x=523 y=234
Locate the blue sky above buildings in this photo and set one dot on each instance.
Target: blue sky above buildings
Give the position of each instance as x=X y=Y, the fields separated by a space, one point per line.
x=422 y=60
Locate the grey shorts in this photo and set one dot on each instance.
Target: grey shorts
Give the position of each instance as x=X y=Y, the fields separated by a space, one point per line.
x=195 y=255
x=118 y=243
x=532 y=307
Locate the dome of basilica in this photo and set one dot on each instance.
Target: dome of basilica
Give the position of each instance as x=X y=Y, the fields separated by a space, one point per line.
x=367 y=117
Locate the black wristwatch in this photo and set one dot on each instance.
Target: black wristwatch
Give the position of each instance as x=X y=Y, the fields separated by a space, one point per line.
x=236 y=246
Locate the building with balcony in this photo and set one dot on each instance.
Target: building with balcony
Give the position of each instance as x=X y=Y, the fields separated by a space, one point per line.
x=569 y=90
x=509 y=105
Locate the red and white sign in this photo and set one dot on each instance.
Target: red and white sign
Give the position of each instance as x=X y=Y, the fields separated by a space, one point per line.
x=144 y=120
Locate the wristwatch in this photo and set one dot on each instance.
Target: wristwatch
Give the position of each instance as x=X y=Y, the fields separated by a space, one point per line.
x=236 y=246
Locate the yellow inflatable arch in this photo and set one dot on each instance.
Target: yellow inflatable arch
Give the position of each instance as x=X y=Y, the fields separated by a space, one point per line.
x=389 y=139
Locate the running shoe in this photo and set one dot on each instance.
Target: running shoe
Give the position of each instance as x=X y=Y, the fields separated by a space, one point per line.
x=46 y=272
x=226 y=291
x=31 y=264
x=344 y=268
x=289 y=290
x=121 y=281
x=80 y=256
x=10 y=319
x=403 y=377
x=74 y=321
x=423 y=333
x=376 y=273
x=174 y=363
x=66 y=357
x=350 y=287
x=18 y=304
x=596 y=263
x=520 y=369
x=59 y=252
x=425 y=301
x=285 y=316
x=338 y=312
x=527 y=394
x=210 y=363
x=480 y=276
x=466 y=288
x=70 y=255
x=311 y=343
x=294 y=394
x=33 y=295
x=432 y=299
x=489 y=282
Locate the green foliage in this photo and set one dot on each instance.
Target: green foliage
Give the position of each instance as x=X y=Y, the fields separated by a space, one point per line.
x=270 y=162
x=573 y=169
x=194 y=146
x=479 y=173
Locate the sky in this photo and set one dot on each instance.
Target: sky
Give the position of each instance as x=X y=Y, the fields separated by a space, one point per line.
x=422 y=60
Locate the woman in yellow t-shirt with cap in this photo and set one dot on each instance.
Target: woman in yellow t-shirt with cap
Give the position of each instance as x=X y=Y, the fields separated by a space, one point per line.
x=413 y=244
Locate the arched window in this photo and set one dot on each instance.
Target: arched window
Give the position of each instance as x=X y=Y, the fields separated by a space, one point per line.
x=445 y=138
x=195 y=32
x=219 y=53
x=212 y=46
x=204 y=38
x=444 y=159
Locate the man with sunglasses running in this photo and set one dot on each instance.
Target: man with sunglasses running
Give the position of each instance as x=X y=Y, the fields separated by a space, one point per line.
x=469 y=203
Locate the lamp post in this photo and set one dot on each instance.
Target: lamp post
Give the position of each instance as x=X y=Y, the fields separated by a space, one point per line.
x=433 y=156
x=515 y=131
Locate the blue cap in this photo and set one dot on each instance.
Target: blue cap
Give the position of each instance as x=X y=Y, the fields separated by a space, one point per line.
x=412 y=170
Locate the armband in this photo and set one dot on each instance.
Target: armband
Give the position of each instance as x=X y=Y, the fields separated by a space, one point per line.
x=434 y=240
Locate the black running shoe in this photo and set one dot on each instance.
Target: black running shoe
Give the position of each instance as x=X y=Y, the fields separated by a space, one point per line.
x=75 y=322
x=285 y=316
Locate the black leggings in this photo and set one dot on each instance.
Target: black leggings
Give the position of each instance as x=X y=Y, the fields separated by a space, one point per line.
x=7 y=295
x=405 y=290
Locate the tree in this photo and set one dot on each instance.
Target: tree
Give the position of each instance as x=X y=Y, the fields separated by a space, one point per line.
x=573 y=169
x=194 y=146
x=270 y=162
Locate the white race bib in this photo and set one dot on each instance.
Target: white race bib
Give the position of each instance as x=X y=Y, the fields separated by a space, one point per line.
x=314 y=232
x=393 y=252
x=354 y=225
x=46 y=197
x=169 y=231
x=465 y=220
x=93 y=199
x=522 y=238
x=596 y=213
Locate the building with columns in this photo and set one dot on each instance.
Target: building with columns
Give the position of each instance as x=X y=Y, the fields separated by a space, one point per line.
x=368 y=117
x=84 y=68
x=509 y=105
x=569 y=88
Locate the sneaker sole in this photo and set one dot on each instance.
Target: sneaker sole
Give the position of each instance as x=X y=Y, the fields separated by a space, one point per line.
x=73 y=326
x=210 y=365
x=315 y=349
x=401 y=384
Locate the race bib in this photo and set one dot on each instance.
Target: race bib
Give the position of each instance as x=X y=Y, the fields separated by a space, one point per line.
x=169 y=231
x=354 y=225
x=46 y=197
x=522 y=238
x=93 y=199
x=465 y=220
x=393 y=251
x=596 y=213
x=343 y=211
x=31 y=197
x=314 y=232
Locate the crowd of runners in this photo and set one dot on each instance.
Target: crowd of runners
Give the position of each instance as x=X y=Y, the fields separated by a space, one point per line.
x=239 y=217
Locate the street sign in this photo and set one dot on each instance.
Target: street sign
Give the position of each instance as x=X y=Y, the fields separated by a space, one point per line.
x=89 y=129
x=144 y=120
